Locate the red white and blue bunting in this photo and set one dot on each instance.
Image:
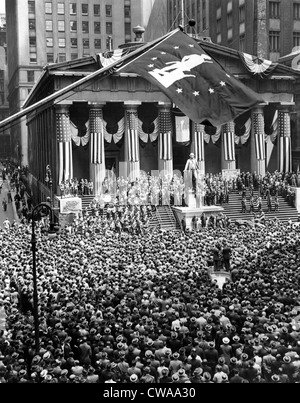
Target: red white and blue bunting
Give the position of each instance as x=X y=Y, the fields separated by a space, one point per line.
x=107 y=58
x=247 y=133
x=229 y=141
x=257 y=66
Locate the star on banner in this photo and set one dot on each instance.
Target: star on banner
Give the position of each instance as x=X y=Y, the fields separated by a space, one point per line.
x=196 y=93
x=222 y=83
x=179 y=90
x=211 y=90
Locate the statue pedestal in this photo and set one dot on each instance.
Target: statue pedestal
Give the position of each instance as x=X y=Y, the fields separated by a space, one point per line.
x=191 y=202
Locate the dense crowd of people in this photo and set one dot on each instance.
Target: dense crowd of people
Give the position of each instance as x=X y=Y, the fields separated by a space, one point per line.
x=132 y=303
x=127 y=308
x=134 y=219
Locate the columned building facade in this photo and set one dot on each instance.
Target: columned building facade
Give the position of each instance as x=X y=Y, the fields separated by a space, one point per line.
x=121 y=124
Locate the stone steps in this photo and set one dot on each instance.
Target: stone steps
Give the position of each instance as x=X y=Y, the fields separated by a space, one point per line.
x=233 y=209
x=167 y=218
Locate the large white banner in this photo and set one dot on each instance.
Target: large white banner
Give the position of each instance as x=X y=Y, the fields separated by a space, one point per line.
x=70 y=205
x=230 y=173
x=182 y=129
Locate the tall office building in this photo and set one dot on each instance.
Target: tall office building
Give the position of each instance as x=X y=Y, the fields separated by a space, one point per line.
x=267 y=28
x=40 y=32
x=180 y=12
x=4 y=109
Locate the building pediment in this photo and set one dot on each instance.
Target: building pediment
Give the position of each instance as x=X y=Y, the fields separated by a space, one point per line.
x=59 y=75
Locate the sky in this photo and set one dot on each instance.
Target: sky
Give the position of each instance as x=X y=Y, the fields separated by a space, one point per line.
x=2 y=6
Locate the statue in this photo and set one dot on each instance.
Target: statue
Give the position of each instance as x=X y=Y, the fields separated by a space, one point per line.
x=192 y=168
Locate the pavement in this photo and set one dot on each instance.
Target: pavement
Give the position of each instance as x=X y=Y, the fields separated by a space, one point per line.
x=11 y=212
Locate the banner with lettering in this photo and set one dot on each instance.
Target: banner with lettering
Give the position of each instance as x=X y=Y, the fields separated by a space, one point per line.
x=70 y=205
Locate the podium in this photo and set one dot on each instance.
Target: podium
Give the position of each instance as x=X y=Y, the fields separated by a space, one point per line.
x=192 y=199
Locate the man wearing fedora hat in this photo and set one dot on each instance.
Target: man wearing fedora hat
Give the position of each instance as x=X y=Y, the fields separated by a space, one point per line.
x=267 y=364
x=146 y=376
x=197 y=375
x=212 y=355
x=175 y=363
x=288 y=368
x=275 y=379
x=226 y=349
x=206 y=377
x=165 y=377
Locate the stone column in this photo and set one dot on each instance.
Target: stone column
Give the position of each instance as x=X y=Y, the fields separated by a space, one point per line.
x=284 y=140
x=97 y=152
x=132 y=146
x=197 y=146
x=165 y=140
x=258 y=145
x=63 y=136
x=228 y=146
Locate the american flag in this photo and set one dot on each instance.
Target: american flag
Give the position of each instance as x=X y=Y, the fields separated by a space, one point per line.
x=285 y=151
x=63 y=134
x=97 y=139
x=259 y=133
x=198 y=148
x=165 y=136
x=229 y=141
x=133 y=140
x=63 y=127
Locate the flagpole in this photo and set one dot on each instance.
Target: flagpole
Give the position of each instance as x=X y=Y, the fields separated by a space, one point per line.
x=81 y=81
x=182 y=13
x=162 y=39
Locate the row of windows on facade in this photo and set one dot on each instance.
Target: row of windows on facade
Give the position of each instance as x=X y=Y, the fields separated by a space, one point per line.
x=274 y=10
x=274 y=45
x=274 y=13
x=274 y=41
x=61 y=9
x=62 y=57
x=85 y=26
x=74 y=43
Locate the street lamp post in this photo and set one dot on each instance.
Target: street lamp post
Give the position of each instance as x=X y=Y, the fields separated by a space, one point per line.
x=49 y=181
x=36 y=213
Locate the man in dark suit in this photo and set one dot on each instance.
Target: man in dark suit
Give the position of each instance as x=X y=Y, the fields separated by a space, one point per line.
x=216 y=251
x=226 y=253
